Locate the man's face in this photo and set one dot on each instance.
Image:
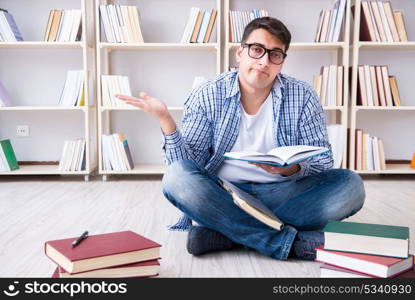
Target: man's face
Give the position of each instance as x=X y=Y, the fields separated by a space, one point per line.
x=258 y=73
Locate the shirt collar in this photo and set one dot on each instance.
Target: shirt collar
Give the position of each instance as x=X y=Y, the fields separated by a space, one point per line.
x=277 y=87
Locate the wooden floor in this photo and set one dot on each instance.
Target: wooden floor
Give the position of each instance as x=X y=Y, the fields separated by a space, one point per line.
x=36 y=209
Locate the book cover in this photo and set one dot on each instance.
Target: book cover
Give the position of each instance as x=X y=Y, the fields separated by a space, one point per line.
x=395 y=92
x=196 y=29
x=378 y=266
x=139 y=269
x=376 y=239
x=210 y=26
x=253 y=206
x=101 y=251
x=13 y=26
x=9 y=154
x=327 y=271
x=280 y=156
x=400 y=25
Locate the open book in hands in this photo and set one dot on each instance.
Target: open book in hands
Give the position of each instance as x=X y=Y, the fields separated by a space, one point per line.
x=252 y=206
x=280 y=156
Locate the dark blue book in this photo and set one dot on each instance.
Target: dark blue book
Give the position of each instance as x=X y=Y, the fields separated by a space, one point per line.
x=13 y=26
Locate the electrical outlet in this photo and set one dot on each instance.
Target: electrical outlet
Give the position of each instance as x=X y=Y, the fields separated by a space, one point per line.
x=22 y=130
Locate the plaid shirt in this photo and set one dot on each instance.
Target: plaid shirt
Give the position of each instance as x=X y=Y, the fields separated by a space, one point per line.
x=212 y=113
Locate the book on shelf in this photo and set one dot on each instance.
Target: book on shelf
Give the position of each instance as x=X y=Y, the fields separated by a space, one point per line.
x=280 y=156
x=101 y=251
x=253 y=206
x=9 y=32
x=376 y=88
x=73 y=90
x=330 y=23
x=73 y=156
x=380 y=23
x=64 y=26
x=336 y=138
x=149 y=268
x=116 y=153
x=121 y=23
x=365 y=238
x=199 y=26
x=112 y=85
x=5 y=98
x=364 y=264
x=329 y=85
x=238 y=20
x=8 y=161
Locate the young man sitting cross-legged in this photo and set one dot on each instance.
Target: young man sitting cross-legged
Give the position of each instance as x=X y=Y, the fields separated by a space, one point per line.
x=254 y=108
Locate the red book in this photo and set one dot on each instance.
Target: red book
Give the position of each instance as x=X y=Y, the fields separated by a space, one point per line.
x=141 y=269
x=373 y=265
x=327 y=271
x=102 y=251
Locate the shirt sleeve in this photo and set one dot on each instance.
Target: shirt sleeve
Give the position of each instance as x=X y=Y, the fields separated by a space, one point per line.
x=193 y=141
x=313 y=132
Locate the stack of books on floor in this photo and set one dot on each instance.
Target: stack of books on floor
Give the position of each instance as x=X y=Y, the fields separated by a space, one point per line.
x=5 y=98
x=112 y=85
x=375 y=87
x=116 y=154
x=73 y=156
x=64 y=26
x=9 y=32
x=380 y=23
x=330 y=23
x=8 y=161
x=238 y=21
x=370 y=152
x=365 y=250
x=112 y=255
x=329 y=85
x=73 y=90
x=121 y=23
x=199 y=26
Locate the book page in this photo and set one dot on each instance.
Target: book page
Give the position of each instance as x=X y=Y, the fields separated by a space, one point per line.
x=286 y=153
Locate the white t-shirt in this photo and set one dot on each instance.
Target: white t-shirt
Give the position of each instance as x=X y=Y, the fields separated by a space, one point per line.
x=256 y=133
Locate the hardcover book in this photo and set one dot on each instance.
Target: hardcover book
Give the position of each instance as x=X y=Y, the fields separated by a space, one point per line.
x=102 y=251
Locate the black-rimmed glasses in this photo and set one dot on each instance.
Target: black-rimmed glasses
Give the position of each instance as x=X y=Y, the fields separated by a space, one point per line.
x=276 y=56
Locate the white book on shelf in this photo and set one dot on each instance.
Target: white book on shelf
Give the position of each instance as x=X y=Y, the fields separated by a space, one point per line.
x=67 y=88
x=6 y=29
x=232 y=26
x=117 y=89
x=339 y=20
x=128 y=29
x=75 y=154
x=109 y=151
x=187 y=26
x=203 y=27
x=385 y=23
x=376 y=157
x=112 y=90
x=81 y=155
x=386 y=85
x=81 y=86
x=332 y=87
x=69 y=154
x=106 y=164
x=368 y=82
x=320 y=24
x=336 y=139
x=333 y=21
x=192 y=24
x=125 y=90
x=135 y=19
x=340 y=83
x=76 y=24
x=69 y=25
x=61 y=25
x=106 y=24
x=121 y=25
x=117 y=153
x=63 y=156
x=324 y=86
x=324 y=27
x=123 y=156
x=114 y=22
x=369 y=161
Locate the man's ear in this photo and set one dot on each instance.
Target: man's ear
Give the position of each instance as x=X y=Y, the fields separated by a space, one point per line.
x=238 y=54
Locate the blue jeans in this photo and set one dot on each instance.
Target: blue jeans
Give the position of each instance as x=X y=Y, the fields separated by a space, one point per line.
x=307 y=203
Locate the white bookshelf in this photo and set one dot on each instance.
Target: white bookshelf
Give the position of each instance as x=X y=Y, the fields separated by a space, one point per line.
x=162 y=24
x=393 y=124
x=302 y=42
x=37 y=106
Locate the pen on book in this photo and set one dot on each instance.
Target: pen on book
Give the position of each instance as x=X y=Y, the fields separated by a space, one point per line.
x=80 y=239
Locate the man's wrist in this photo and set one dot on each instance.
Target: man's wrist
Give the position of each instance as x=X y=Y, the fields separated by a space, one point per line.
x=167 y=124
x=292 y=170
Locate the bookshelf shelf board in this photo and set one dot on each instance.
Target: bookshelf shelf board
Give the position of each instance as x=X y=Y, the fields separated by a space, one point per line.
x=159 y=46
x=392 y=169
x=41 y=170
x=398 y=108
x=140 y=169
x=304 y=46
x=341 y=108
x=387 y=45
x=41 y=45
x=171 y=108
x=20 y=108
